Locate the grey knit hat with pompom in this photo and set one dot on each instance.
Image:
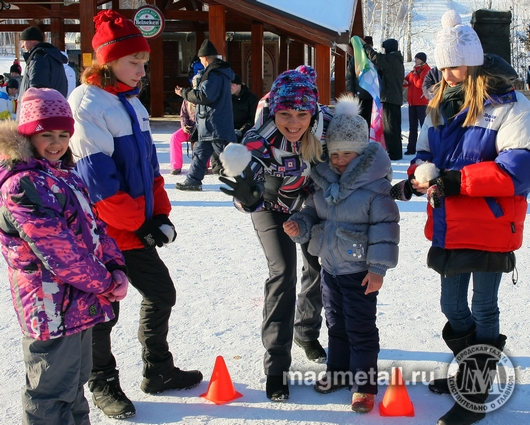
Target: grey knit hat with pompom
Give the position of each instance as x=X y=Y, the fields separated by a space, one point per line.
x=347 y=131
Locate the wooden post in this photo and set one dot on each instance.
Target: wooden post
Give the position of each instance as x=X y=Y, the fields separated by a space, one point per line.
x=57 y=27
x=340 y=73
x=323 y=69
x=284 y=54
x=57 y=33
x=156 y=80
x=256 y=59
x=217 y=28
x=87 y=11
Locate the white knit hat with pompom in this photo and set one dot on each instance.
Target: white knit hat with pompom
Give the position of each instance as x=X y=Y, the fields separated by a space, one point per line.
x=347 y=131
x=457 y=44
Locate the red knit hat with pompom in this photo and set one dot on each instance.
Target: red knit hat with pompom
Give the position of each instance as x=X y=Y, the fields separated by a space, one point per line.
x=116 y=37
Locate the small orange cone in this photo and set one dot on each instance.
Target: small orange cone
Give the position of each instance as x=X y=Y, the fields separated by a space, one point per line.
x=396 y=401
x=221 y=389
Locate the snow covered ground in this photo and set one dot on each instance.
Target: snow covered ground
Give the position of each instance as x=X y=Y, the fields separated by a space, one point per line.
x=219 y=270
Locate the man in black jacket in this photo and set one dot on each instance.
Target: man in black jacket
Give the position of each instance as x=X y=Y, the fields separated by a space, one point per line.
x=44 y=63
x=244 y=104
x=390 y=68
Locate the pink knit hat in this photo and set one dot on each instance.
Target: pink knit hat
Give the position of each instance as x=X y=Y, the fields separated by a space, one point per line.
x=44 y=110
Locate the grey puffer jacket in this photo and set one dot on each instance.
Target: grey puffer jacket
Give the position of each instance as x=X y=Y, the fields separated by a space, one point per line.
x=351 y=221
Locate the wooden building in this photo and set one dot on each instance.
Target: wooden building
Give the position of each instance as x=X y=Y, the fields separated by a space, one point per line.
x=257 y=40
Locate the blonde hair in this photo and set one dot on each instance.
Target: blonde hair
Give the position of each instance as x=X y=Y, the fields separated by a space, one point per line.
x=476 y=86
x=310 y=147
x=105 y=74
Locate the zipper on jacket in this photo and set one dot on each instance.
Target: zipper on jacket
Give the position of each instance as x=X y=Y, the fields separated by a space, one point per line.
x=67 y=293
x=330 y=237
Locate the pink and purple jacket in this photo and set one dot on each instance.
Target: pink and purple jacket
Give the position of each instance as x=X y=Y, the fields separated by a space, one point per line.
x=58 y=253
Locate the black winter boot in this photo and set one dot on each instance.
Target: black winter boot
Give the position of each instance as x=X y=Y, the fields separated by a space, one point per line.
x=108 y=396
x=456 y=343
x=313 y=350
x=276 y=389
x=175 y=379
x=470 y=391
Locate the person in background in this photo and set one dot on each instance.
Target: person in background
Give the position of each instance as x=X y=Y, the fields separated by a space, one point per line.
x=9 y=100
x=71 y=78
x=44 y=63
x=64 y=269
x=430 y=83
x=117 y=160
x=416 y=99
x=476 y=135
x=184 y=133
x=16 y=63
x=244 y=104
x=15 y=73
x=215 y=119
x=390 y=68
x=528 y=78
x=351 y=206
x=3 y=83
x=353 y=88
x=194 y=68
x=275 y=184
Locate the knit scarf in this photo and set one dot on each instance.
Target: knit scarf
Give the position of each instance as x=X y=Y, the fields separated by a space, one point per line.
x=452 y=102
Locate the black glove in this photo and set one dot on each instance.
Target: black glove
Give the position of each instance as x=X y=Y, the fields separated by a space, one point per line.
x=151 y=235
x=417 y=193
x=246 y=190
x=401 y=191
x=448 y=183
x=164 y=219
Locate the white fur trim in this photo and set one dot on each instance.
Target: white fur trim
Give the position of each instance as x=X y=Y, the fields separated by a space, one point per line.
x=235 y=159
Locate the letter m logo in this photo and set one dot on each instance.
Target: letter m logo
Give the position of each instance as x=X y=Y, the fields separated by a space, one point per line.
x=476 y=380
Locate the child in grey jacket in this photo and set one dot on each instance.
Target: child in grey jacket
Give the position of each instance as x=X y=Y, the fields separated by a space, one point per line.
x=351 y=223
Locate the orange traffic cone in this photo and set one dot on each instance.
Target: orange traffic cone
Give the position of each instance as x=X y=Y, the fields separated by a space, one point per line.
x=221 y=389
x=396 y=401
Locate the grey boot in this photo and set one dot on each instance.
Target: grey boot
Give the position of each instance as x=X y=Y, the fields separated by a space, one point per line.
x=456 y=343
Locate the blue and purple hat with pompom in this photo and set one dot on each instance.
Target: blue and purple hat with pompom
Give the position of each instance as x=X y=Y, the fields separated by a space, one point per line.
x=293 y=90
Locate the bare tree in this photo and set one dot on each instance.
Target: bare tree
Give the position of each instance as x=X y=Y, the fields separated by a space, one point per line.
x=408 y=45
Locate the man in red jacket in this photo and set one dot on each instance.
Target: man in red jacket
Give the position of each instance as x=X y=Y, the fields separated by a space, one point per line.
x=416 y=99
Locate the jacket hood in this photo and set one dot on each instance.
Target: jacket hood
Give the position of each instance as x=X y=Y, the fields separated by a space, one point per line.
x=390 y=45
x=16 y=152
x=371 y=166
x=50 y=50
x=14 y=146
x=221 y=67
